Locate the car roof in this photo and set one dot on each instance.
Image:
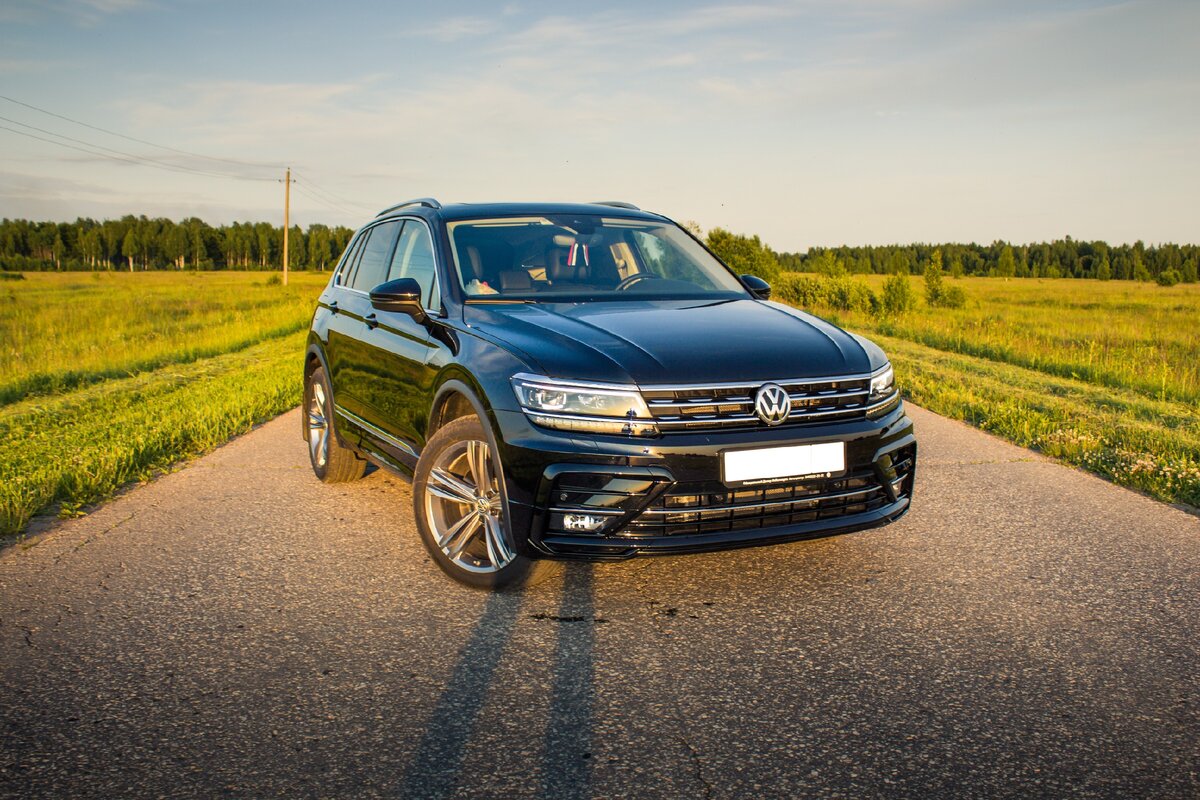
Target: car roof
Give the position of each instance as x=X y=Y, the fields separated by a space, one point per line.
x=455 y=211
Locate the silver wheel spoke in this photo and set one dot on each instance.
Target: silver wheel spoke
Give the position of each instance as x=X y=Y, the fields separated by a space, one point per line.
x=477 y=459
x=450 y=487
x=455 y=547
x=445 y=538
x=498 y=551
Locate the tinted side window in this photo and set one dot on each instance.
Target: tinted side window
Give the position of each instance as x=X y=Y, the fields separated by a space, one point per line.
x=347 y=265
x=414 y=259
x=372 y=266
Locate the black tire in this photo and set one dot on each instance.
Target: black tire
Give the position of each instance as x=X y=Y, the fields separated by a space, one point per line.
x=331 y=461
x=474 y=566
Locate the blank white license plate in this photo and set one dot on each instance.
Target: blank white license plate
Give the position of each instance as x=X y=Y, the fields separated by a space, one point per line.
x=773 y=464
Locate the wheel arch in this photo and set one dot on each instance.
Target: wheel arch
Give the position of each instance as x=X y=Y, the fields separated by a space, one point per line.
x=458 y=395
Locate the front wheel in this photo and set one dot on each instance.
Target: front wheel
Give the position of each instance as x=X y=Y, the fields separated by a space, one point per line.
x=458 y=500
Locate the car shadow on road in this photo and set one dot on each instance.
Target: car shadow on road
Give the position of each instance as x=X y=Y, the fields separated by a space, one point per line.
x=566 y=758
x=437 y=767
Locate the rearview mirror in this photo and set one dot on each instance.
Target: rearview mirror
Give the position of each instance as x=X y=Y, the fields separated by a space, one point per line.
x=402 y=295
x=757 y=286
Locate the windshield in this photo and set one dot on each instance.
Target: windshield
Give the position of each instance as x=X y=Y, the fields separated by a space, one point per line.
x=577 y=257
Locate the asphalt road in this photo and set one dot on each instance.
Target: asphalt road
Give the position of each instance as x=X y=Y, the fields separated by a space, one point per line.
x=237 y=629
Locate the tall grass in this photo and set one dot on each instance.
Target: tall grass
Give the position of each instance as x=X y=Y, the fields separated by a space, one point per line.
x=1114 y=333
x=1103 y=375
x=61 y=331
x=107 y=380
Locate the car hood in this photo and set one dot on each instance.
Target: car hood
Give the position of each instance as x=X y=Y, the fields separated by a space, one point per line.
x=672 y=341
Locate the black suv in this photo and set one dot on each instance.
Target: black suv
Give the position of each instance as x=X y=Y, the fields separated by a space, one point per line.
x=589 y=381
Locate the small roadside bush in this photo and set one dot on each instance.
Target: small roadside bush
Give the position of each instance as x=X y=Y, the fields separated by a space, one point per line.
x=898 y=296
x=953 y=297
x=841 y=292
x=12 y=276
x=1169 y=277
x=847 y=294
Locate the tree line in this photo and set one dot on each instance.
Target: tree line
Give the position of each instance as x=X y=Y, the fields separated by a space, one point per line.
x=1061 y=258
x=143 y=243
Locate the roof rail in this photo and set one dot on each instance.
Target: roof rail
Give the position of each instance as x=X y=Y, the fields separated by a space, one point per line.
x=428 y=202
x=616 y=204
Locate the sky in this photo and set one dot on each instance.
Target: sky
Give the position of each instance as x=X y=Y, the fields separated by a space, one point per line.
x=808 y=123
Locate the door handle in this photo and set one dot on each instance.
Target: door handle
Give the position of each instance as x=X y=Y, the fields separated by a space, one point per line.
x=333 y=306
x=371 y=320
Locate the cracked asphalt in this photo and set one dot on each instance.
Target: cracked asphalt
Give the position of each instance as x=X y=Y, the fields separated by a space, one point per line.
x=237 y=629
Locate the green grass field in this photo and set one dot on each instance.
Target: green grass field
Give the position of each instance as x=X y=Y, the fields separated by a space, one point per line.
x=109 y=378
x=1104 y=375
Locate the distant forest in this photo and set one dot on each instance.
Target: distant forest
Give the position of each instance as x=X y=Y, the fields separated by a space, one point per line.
x=142 y=243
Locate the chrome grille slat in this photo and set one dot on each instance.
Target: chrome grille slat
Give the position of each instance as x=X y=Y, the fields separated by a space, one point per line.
x=720 y=406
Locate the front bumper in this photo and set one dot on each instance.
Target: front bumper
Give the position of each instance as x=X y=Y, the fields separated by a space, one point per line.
x=665 y=495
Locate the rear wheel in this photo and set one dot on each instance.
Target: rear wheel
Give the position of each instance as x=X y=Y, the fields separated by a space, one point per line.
x=458 y=500
x=331 y=461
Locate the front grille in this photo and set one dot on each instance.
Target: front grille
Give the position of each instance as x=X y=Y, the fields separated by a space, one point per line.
x=690 y=510
x=732 y=405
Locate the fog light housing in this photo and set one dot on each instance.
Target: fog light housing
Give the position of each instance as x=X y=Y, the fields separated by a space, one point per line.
x=583 y=523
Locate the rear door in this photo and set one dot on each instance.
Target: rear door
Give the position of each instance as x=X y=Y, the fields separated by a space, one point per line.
x=342 y=326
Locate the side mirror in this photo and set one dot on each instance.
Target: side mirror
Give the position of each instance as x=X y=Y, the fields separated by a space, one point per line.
x=402 y=295
x=757 y=286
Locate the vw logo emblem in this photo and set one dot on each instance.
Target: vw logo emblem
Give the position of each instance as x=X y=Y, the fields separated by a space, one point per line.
x=772 y=404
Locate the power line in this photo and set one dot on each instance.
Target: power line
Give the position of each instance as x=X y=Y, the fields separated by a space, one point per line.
x=310 y=189
x=300 y=188
x=143 y=141
x=328 y=194
x=121 y=155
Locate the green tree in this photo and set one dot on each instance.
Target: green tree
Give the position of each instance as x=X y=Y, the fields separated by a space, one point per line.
x=1140 y=273
x=1006 y=267
x=129 y=247
x=1104 y=271
x=297 y=254
x=898 y=295
x=175 y=245
x=898 y=263
x=744 y=254
x=827 y=264
x=956 y=266
x=1191 y=269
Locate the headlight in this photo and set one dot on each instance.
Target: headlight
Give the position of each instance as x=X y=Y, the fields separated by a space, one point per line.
x=882 y=385
x=584 y=408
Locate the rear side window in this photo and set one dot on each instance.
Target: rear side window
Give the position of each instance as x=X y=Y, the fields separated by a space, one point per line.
x=352 y=253
x=414 y=259
x=373 y=264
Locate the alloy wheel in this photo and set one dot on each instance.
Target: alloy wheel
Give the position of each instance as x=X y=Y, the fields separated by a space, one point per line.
x=463 y=508
x=318 y=425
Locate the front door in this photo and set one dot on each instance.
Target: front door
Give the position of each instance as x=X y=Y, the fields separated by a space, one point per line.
x=400 y=350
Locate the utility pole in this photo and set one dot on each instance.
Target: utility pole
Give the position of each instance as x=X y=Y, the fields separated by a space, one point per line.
x=287 y=203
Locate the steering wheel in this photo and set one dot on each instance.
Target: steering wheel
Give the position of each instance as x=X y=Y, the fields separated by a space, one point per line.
x=632 y=279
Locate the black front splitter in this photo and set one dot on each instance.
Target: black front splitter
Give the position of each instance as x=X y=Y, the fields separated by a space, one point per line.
x=618 y=548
